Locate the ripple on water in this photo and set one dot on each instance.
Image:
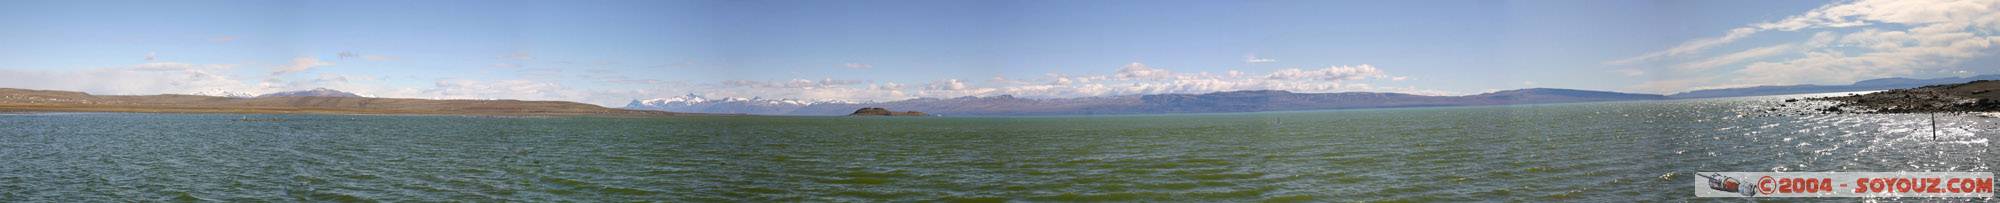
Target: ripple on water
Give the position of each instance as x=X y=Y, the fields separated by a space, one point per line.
x=1602 y=152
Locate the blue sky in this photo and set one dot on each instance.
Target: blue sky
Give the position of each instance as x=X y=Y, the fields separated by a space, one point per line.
x=609 y=52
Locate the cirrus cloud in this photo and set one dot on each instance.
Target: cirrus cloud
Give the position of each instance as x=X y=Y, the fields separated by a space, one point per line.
x=300 y=64
x=1851 y=41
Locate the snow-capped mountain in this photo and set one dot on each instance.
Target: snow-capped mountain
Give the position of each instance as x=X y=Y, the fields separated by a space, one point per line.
x=729 y=105
x=315 y=92
x=223 y=93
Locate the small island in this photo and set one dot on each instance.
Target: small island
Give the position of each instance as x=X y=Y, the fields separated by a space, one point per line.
x=1975 y=96
x=878 y=111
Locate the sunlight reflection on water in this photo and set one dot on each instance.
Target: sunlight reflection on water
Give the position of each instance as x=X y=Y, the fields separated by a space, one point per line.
x=1621 y=151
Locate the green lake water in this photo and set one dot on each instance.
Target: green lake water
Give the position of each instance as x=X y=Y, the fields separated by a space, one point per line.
x=1596 y=152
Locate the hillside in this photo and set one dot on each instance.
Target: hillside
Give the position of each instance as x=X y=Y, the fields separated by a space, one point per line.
x=65 y=101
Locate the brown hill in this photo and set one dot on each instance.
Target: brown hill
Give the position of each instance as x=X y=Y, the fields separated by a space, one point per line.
x=65 y=101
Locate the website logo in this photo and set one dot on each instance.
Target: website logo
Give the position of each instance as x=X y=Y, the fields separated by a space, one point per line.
x=1844 y=184
x=1718 y=182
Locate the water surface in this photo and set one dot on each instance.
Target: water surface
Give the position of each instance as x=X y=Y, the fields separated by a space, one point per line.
x=1565 y=152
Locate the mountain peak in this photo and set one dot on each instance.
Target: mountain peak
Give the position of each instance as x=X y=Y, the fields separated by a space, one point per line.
x=1548 y=93
x=315 y=92
x=1249 y=92
x=1537 y=90
x=223 y=93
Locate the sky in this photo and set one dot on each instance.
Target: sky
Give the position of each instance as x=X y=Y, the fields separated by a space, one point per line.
x=611 y=52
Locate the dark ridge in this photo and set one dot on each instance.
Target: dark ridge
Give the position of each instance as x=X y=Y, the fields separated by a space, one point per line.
x=872 y=111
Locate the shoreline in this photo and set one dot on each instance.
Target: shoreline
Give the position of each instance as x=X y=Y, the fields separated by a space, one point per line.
x=1979 y=98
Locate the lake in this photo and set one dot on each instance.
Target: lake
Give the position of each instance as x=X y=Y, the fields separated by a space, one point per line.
x=1598 y=152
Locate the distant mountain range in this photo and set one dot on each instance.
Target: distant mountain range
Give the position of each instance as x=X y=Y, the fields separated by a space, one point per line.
x=321 y=101
x=1236 y=101
x=315 y=92
x=1865 y=85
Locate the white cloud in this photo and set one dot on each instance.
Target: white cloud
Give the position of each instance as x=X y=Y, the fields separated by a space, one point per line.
x=1689 y=46
x=1137 y=70
x=1936 y=36
x=456 y=88
x=945 y=85
x=794 y=83
x=300 y=64
x=886 y=86
x=1895 y=38
x=1866 y=12
x=1003 y=80
x=345 y=55
x=857 y=66
x=146 y=78
x=1252 y=58
x=1333 y=73
x=500 y=89
x=1850 y=14
x=1733 y=58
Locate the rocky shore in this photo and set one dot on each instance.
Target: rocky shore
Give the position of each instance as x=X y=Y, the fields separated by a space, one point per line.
x=1979 y=97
